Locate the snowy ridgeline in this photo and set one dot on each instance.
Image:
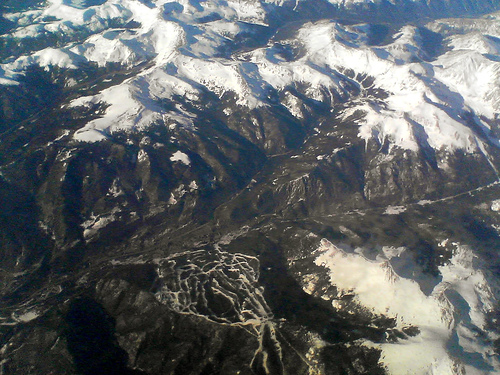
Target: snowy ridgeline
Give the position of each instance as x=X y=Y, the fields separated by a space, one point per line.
x=425 y=93
x=448 y=318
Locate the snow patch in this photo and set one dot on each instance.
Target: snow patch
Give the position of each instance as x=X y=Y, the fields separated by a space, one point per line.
x=27 y=317
x=448 y=319
x=495 y=205
x=95 y=223
x=182 y=157
x=377 y=286
x=392 y=252
x=394 y=210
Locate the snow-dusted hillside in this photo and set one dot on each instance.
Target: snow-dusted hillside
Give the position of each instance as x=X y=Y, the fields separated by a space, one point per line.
x=443 y=325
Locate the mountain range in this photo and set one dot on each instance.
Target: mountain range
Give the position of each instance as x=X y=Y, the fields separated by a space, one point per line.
x=250 y=187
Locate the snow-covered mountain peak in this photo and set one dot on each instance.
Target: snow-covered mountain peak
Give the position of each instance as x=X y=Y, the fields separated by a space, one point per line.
x=426 y=88
x=414 y=88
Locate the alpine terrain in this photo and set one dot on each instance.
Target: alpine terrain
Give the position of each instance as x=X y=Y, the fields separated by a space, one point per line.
x=198 y=187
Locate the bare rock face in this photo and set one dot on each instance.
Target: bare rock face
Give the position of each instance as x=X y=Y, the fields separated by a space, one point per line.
x=249 y=187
